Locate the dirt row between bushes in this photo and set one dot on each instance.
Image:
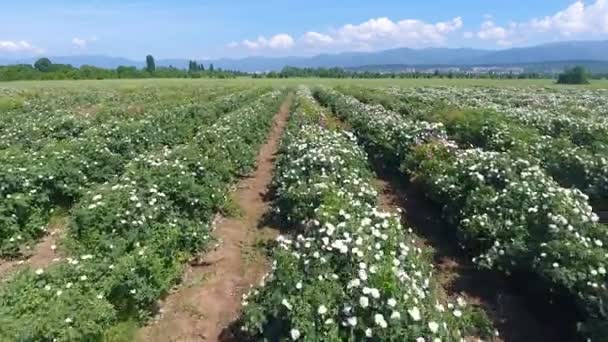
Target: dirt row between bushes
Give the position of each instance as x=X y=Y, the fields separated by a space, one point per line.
x=512 y=316
x=42 y=254
x=203 y=307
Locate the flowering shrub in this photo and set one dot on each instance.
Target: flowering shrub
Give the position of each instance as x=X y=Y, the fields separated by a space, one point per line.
x=508 y=211
x=132 y=234
x=348 y=271
x=37 y=178
x=388 y=136
x=578 y=114
x=485 y=127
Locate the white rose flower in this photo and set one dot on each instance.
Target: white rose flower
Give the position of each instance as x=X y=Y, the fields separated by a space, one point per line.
x=295 y=334
x=414 y=313
x=379 y=320
x=322 y=310
x=363 y=301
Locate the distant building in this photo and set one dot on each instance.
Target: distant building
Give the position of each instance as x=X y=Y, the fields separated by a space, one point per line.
x=497 y=70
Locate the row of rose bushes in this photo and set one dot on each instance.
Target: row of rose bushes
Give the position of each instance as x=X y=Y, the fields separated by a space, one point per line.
x=347 y=271
x=47 y=115
x=129 y=237
x=508 y=212
x=33 y=183
x=577 y=116
x=568 y=163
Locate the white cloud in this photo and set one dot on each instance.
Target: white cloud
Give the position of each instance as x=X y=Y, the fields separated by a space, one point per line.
x=316 y=39
x=279 y=41
x=468 y=35
x=381 y=32
x=501 y=35
x=576 y=18
x=83 y=43
x=18 y=47
x=372 y=34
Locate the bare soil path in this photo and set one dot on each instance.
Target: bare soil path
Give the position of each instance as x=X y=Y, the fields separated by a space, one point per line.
x=42 y=254
x=509 y=311
x=210 y=296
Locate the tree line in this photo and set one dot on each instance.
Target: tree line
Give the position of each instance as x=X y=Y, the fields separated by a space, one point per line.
x=45 y=69
x=289 y=72
x=576 y=75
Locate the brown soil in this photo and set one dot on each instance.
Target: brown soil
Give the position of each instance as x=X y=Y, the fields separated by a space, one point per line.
x=210 y=298
x=42 y=255
x=88 y=110
x=509 y=312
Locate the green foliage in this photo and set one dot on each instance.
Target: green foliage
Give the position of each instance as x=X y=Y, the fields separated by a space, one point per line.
x=43 y=64
x=10 y=103
x=51 y=161
x=341 y=276
x=193 y=67
x=573 y=154
x=508 y=211
x=576 y=75
x=65 y=72
x=129 y=236
x=150 y=64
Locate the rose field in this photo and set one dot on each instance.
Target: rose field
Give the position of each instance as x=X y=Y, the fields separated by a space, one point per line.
x=244 y=210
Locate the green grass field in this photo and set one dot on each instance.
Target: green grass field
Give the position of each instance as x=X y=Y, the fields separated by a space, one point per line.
x=134 y=83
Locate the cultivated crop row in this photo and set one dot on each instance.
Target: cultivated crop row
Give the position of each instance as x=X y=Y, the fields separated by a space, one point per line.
x=34 y=182
x=46 y=117
x=568 y=163
x=579 y=116
x=347 y=271
x=128 y=238
x=507 y=211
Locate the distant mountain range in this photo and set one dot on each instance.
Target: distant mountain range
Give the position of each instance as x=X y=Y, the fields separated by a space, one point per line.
x=553 y=52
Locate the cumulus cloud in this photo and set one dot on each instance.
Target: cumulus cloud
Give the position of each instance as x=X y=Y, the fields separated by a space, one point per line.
x=501 y=35
x=317 y=39
x=576 y=18
x=374 y=33
x=18 y=47
x=82 y=43
x=279 y=41
x=382 y=32
x=581 y=18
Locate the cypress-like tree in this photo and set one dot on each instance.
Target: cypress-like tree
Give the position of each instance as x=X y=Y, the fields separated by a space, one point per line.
x=150 y=64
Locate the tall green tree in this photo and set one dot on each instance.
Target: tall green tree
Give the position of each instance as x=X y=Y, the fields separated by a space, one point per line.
x=43 y=64
x=150 y=64
x=576 y=75
x=211 y=68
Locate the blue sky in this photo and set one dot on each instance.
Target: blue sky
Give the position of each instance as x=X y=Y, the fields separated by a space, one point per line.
x=203 y=29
